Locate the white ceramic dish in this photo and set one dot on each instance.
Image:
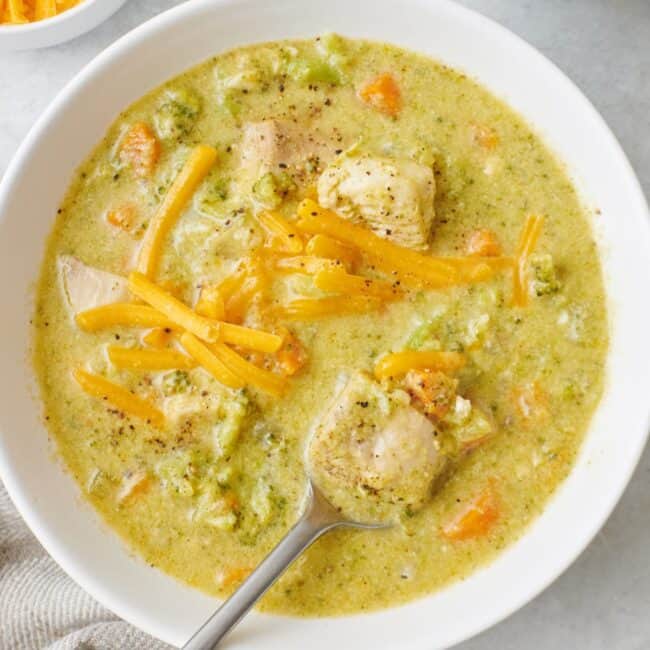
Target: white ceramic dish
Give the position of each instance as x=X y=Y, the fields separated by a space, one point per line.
x=77 y=119
x=64 y=27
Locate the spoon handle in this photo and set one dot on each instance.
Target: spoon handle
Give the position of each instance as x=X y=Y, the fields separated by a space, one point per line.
x=308 y=529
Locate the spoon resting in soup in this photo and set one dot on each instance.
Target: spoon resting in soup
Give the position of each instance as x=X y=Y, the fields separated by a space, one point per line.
x=371 y=456
x=374 y=456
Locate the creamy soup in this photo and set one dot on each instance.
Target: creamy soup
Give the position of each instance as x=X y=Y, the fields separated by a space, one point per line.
x=334 y=243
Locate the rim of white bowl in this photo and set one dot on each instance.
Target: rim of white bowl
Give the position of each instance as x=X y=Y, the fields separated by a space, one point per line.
x=496 y=613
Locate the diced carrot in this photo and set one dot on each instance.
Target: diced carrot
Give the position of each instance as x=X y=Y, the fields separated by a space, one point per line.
x=291 y=357
x=141 y=149
x=233 y=575
x=433 y=389
x=123 y=217
x=484 y=136
x=483 y=243
x=382 y=93
x=475 y=519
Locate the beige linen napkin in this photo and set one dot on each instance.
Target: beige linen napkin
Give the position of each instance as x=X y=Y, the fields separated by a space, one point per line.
x=42 y=608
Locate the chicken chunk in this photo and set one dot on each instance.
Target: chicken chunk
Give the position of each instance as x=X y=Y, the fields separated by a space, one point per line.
x=373 y=455
x=268 y=144
x=86 y=287
x=392 y=197
x=277 y=146
x=140 y=149
x=214 y=413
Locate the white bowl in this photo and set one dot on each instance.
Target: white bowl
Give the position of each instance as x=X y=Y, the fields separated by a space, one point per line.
x=58 y=29
x=36 y=180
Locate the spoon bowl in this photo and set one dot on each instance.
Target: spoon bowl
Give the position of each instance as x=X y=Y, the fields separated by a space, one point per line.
x=318 y=517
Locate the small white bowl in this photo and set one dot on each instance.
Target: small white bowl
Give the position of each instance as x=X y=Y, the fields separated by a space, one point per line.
x=35 y=182
x=63 y=27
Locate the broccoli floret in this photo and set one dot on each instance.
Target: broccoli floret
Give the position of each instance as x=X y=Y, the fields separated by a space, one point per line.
x=177 y=381
x=176 y=472
x=220 y=190
x=260 y=501
x=335 y=49
x=177 y=114
x=230 y=84
x=264 y=190
x=226 y=431
x=424 y=336
x=545 y=280
x=229 y=103
x=210 y=200
x=309 y=71
x=270 y=189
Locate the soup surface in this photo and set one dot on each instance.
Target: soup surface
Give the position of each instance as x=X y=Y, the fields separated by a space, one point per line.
x=339 y=240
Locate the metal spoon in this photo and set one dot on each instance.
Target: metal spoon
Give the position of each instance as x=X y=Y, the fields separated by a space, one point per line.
x=318 y=517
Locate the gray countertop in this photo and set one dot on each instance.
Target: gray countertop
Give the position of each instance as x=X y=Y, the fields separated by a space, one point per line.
x=603 y=601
